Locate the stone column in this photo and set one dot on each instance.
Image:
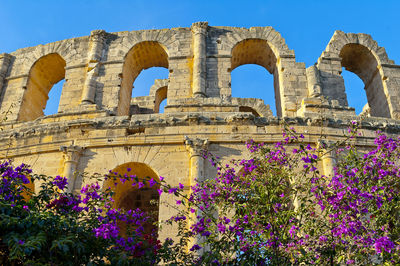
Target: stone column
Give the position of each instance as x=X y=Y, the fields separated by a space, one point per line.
x=199 y=34
x=71 y=155
x=5 y=60
x=328 y=158
x=96 y=44
x=195 y=147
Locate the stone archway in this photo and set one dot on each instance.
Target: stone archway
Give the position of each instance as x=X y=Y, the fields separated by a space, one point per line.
x=141 y=56
x=129 y=195
x=45 y=72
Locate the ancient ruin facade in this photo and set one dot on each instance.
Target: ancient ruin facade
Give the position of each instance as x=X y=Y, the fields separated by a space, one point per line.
x=100 y=127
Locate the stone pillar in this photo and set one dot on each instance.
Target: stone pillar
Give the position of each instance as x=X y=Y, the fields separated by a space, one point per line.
x=96 y=44
x=328 y=158
x=5 y=60
x=313 y=82
x=199 y=34
x=195 y=147
x=71 y=155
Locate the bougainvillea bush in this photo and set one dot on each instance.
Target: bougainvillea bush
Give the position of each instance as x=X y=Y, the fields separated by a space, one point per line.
x=274 y=208
x=277 y=208
x=53 y=227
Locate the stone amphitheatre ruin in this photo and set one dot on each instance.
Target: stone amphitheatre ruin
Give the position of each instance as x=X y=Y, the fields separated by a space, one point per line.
x=99 y=126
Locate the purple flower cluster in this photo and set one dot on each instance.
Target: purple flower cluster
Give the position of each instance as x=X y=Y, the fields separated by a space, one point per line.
x=13 y=181
x=66 y=203
x=107 y=231
x=384 y=243
x=356 y=201
x=60 y=182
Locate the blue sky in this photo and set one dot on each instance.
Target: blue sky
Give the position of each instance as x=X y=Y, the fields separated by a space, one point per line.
x=307 y=27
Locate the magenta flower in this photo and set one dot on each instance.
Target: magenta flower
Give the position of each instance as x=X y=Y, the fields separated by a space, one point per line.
x=106 y=231
x=60 y=182
x=152 y=182
x=384 y=243
x=172 y=190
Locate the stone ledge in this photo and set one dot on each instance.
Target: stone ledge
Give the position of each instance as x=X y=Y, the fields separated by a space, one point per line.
x=40 y=127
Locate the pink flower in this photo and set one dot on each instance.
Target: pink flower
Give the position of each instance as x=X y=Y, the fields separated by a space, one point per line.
x=152 y=182
x=140 y=184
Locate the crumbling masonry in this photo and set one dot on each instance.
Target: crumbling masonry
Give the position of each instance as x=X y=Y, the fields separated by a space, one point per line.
x=99 y=126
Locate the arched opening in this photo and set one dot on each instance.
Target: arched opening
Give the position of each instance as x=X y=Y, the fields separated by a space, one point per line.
x=160 y=99
x=146 y=78
x=162 y=106
x=47 y=71
x=54 y=95
x=142 y=56
x=359 y=59
x=356 y=96
x=254 y=82
x=129 y=196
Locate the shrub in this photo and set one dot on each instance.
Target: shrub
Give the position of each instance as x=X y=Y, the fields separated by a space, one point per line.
x=274 y=208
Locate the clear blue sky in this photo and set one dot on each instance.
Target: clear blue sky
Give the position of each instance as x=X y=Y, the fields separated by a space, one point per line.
x=307 y=27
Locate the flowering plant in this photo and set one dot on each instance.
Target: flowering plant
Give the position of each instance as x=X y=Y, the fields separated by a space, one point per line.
x=280 y=206
x=55 y=227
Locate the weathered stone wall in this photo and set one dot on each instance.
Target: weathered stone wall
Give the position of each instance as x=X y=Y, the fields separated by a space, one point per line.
x=100 y=127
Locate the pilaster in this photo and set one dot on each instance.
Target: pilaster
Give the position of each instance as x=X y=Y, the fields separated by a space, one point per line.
x=328 y=157
x=96 y=44
x=71 y=155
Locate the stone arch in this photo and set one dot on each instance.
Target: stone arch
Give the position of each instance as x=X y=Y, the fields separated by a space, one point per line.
x=72 y=51
x=259 y=52
x=129 y=196
x=359 y=59
x=265 y=47
x=45 y=72
x=360 y=54
x=141 y=56
x=151 y=103
x=161 y=95
x=341 y=39
x=69 y=50
x=159 y=92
